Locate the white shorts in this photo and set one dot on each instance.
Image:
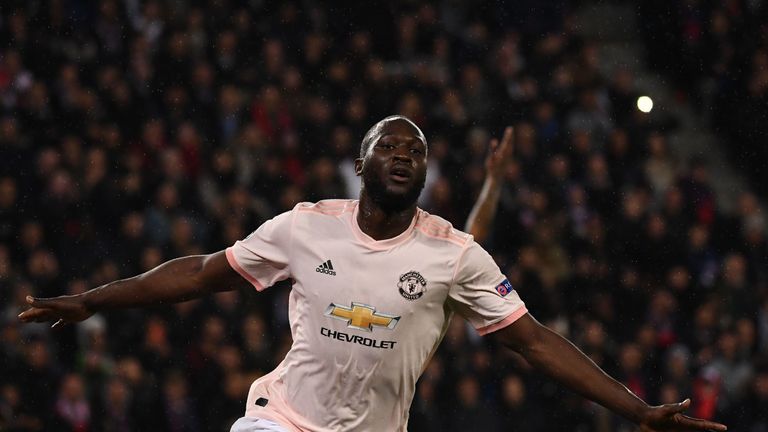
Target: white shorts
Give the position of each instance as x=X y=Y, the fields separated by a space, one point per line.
x=253 y=424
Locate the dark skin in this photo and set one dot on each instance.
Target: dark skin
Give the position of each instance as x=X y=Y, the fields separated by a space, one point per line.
x=392 y=169
x=175 y=281
x=550 y=353
x=396 y=162
x=484 y=210
x=556 y=357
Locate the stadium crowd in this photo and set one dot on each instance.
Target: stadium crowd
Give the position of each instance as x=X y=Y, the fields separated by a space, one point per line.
x=717 y=54
x=132 y=132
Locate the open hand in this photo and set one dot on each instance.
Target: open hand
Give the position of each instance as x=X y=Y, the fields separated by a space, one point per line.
x=62 y=310
x=670 y=418
x=499 y=153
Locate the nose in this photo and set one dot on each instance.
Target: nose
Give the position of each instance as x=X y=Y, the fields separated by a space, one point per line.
x=402 y=157
x=402 y=154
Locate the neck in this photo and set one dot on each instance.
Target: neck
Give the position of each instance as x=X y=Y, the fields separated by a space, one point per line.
x=380 y=223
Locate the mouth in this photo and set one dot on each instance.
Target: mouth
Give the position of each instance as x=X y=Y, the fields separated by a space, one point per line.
x=400 y=174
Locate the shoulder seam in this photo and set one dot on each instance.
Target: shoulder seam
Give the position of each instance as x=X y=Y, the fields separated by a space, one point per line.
x=442 y=230
x=335 y=209
x=464 y=249
x=458 y=241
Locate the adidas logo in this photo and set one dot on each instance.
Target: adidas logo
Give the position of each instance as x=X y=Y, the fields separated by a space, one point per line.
x=326 y=268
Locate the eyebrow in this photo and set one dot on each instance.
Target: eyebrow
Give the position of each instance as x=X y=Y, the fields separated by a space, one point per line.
x=412 y=138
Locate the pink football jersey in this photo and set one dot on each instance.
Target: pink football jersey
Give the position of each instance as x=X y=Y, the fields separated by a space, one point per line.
x=365 y=315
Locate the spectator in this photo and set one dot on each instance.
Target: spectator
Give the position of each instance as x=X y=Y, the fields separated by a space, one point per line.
x=72 y=410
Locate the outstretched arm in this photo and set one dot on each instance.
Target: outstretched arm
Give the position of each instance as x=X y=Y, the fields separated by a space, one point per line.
x=550 y=353
x=174 y=281
x=481 y=217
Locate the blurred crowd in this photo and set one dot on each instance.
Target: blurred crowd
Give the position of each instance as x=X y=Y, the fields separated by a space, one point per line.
x=133 y=132
x=717 y=54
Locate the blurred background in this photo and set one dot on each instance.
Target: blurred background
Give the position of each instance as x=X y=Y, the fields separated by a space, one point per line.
x=133 y=132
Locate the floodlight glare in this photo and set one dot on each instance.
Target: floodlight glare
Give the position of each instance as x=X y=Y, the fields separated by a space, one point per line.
x=645 y=104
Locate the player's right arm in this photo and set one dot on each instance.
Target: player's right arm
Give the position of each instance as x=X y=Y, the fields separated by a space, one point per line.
x=174 y=281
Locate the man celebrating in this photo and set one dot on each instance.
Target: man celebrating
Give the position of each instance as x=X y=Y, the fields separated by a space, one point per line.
x=375 y=284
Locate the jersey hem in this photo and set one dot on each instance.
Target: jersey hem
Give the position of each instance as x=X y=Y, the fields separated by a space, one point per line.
x=514 y=316
x=263 y=415
x=241 y=271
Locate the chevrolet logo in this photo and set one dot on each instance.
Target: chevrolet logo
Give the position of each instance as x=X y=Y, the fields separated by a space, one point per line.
x=361 y=316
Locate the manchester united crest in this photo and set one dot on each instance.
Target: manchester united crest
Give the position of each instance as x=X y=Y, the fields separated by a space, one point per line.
x=412 y=285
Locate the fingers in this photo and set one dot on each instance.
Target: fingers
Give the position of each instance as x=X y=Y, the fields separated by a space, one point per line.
x=32 y=301
x=54 y=303
x=42 y=315
x=677 y=408
x=506 y=140
x=62 y=310
x=40 y=310
x=694 y=424
x=680 y=407
x=36 y=302
x=37 y=315
x=494 y=145
x=690 y=423
x=501 y=149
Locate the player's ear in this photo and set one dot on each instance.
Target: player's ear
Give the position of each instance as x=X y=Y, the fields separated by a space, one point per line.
x=358 y=166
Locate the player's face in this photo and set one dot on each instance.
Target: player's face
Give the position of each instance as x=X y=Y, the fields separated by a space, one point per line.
x=395 y=166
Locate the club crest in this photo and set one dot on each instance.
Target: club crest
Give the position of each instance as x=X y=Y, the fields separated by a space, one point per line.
x=412 y=285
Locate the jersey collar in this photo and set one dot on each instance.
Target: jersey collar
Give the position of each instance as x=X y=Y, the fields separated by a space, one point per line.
x=389 y=243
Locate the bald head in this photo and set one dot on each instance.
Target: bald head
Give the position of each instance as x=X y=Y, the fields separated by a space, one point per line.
x=375 y=132
x=392 y=164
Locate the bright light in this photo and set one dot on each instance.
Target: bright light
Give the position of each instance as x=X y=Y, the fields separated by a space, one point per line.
x=644 y=104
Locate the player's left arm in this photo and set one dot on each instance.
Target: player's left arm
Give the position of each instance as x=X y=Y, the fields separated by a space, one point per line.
x=558 y=358
x=483 y=212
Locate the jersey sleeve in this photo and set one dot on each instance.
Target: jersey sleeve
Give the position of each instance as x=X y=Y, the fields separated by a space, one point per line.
x=481 y=294
x=263 y=257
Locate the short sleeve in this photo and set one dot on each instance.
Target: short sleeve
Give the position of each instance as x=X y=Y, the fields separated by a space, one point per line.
x=262 y=258
x=482 y=294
